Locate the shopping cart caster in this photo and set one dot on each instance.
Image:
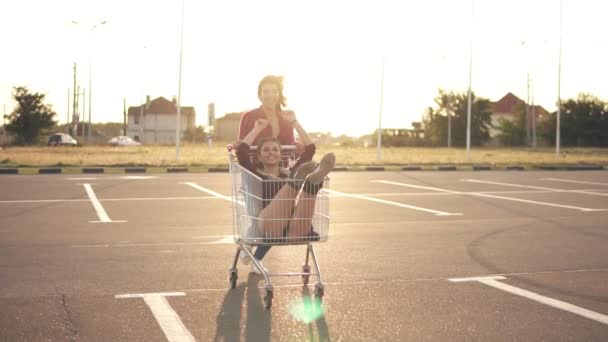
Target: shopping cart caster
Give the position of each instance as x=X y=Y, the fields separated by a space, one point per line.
x=305 y=277
x=233 y=277
x=319 y=291
x=268 y=299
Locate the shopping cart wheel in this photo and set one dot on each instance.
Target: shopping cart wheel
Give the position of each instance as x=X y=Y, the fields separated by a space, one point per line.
x=268 y=299
x=305 y=277
x=319 y=291
x=233 y=277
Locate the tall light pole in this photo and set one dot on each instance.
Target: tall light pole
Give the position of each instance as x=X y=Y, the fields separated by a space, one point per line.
x=179 y=89
x=4 y=116
x=469 y=92
x=379 y=142
x=559 y=80
x=90 y=33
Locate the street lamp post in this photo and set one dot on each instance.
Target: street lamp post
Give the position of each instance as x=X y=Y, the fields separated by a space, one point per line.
x=559 y=80
x=469 y=92
x=4 y=117
x=379 y=142
x=88 y=136
x=179 y=88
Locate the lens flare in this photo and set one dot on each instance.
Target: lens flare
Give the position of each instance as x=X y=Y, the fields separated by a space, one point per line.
x=307 y=309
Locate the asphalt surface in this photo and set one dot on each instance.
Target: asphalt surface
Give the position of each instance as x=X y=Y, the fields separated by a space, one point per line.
x=157 y=268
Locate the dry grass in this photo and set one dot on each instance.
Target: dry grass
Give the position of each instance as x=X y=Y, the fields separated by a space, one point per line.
x=201 y=155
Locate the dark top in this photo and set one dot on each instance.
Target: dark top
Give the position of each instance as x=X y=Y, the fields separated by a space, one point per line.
x=270 y=189
x=247 y=123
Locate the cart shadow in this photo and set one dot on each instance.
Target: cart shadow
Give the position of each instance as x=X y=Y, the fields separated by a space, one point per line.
x=320 y=323
x=258 y=320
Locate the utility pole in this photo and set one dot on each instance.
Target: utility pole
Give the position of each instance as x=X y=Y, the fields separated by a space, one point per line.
x=469 y=92
x=4 y=123
x=124 y=116
x=527 y=107
x=559 y=81
x=74 y=101
x=179 y=88
x=90 y=92
x=379 y=142
x=533 y=123
x=449 y=128
x=84 y=112
x=67 y=120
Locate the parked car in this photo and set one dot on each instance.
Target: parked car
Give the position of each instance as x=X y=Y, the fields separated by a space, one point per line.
x=61 y=139
x=123 y=140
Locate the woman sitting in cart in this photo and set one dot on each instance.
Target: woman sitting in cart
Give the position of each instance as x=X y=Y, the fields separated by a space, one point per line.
x=283 y=216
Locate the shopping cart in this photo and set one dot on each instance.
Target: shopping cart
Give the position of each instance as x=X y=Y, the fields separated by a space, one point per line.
x=299 y=218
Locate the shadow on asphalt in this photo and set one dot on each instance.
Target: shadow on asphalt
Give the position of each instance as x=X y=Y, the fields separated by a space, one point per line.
x=258 y=321
x=320 y=323
x=257 y=326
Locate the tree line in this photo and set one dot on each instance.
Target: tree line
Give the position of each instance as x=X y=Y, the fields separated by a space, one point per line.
x=584 y=122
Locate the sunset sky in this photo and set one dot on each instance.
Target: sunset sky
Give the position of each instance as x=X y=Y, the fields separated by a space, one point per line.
x=330 y=53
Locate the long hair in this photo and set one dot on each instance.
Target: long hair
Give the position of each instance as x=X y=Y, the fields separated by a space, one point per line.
x=278 y=81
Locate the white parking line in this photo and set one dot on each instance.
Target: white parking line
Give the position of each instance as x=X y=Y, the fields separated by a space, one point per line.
x=534 y=187
x=577 y=310
x=167 y=318
x=573 y=181
x=489 y=196
x=224 y=240
x=210 y=192
x=101 y=213
x=112 y=199
x=112 y=178
x=510 y=184
x=397 y=204
x=416 y=186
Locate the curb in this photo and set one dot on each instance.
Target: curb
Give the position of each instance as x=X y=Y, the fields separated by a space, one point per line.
x=374 y=168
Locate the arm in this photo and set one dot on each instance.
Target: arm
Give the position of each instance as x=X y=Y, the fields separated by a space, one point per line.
x=302 y=133
x=290 y=116
x=245 y=125
x=260 y=125
x=242 y=154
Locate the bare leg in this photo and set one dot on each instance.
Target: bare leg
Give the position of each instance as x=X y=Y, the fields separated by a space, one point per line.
x=275 y=217
x=302 y=217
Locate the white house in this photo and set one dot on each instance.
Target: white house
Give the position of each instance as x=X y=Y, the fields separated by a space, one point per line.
x=155 y=121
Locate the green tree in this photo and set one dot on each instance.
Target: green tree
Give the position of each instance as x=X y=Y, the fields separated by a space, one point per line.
x=436 y=120
x=195 y=135
x=31 y=117
x=513 y=133
x=584 y=122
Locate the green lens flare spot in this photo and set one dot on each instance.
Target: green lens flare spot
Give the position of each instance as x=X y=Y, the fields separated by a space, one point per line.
x=307 y=310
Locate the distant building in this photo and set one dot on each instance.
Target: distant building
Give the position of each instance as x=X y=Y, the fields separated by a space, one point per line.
x=154 y=122
x=511 y=107
x=227 y=127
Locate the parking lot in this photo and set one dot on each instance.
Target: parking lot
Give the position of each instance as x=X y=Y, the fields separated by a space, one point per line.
x=412 y=256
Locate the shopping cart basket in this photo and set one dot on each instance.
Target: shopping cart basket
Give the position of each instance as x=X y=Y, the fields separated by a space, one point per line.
x=299 y=218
